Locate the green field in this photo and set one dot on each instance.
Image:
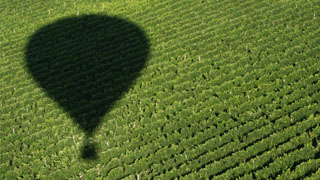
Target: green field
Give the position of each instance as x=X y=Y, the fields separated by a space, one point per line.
x=143 y=89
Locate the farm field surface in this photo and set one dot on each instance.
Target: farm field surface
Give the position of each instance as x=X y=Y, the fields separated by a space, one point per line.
x=163 y=89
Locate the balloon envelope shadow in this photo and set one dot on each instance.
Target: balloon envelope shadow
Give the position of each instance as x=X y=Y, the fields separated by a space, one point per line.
x=86 y=63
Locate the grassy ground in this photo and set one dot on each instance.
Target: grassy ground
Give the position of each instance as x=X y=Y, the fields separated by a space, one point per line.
x=161 y=90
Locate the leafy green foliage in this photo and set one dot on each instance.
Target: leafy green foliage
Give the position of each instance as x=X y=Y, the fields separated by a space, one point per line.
x=229 y=90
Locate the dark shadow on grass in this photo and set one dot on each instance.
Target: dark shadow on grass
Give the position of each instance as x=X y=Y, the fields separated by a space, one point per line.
x=87 y=63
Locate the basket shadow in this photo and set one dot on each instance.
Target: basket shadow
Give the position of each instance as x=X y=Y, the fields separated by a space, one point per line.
x=85 y=64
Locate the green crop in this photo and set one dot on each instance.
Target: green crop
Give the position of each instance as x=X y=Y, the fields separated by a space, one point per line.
x=139 y=89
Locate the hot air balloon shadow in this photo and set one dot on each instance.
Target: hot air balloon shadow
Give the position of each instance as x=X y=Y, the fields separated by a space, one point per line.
x=86 y=64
